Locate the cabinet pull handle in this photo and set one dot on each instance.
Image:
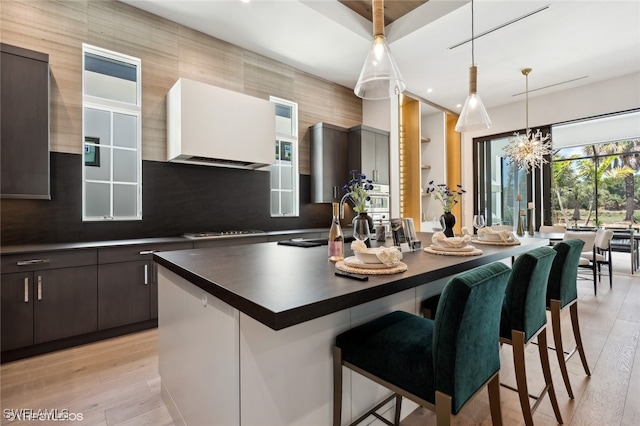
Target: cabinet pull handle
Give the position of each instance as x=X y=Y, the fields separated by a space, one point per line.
x=39 y=287
x=146 y=274
x=335 y=192
x=32 y=262
x=143 y=252
x=26 y=290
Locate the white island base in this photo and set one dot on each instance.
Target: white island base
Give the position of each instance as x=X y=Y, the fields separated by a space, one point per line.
x=219 y=366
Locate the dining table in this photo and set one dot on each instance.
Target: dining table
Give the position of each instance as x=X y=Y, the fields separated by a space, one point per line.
x=245 y=332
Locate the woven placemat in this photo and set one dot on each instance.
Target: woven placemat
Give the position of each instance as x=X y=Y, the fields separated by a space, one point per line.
x=474 y=252
x=497 y=243
x=400 y=267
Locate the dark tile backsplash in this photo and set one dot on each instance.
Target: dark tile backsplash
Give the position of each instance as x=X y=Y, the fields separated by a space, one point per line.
x=176 y=198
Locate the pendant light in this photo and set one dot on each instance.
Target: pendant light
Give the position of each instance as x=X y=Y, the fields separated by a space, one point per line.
x=380 y=77
x=474 y=115
x=528 y=150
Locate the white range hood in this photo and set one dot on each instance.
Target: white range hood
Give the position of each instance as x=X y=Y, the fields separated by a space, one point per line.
x=212 y=126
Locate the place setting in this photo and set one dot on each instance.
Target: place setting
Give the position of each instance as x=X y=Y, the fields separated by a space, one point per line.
x=372 y=261
x=489 y=236
x=452 y=246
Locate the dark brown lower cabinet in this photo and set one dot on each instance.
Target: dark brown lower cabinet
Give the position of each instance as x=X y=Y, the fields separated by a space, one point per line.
x=124 y=295
x=66 y=303
x=47 y=304
x=127 y=283
x=16 y=291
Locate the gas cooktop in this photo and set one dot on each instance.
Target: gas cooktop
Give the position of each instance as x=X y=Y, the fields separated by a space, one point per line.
x=222 y=234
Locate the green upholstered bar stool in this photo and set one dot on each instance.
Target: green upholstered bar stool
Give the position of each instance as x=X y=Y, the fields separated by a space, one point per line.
x=524 y=317
x=439 y=364
x=562 y=293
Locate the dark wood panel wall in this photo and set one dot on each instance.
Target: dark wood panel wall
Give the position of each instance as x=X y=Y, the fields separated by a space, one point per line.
x=168 y=51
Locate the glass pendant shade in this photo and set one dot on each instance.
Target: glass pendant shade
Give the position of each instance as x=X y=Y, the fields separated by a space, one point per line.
x=380 y=77
x=474 y=115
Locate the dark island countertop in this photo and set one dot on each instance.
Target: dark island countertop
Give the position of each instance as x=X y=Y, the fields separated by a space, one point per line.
x=282 y=286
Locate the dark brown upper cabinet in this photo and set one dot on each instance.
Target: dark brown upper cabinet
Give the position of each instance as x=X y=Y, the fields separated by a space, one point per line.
x=328 y=162
x=24 y=123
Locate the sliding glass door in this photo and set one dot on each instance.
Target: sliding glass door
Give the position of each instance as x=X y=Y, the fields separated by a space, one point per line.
x=504 y=192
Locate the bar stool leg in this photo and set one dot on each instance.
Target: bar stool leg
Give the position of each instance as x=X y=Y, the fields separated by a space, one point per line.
x=557 y=338
x=494 y=401
x=443 y=409
x=396 y=419
x=573 y=310
x=546 y=370
x=517 y=342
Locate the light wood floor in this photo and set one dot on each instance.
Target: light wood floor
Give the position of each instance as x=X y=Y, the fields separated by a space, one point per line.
x=116 y=382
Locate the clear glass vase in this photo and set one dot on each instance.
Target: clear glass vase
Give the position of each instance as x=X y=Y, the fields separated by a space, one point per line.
x=361 y=227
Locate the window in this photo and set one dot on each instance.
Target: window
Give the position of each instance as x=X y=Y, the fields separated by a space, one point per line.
x=284 y=173
x=593 y=179
x=596 y=185
x=112 y=162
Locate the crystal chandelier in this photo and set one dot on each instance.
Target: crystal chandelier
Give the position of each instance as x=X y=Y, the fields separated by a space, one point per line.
x=528 y=150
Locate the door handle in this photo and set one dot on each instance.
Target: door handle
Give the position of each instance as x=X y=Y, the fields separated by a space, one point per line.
x=26 y=289
x=39 y=287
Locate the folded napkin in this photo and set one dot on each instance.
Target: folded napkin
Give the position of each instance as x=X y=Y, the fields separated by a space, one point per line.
x=390 y=256
x=441 y=240
x=505 y=236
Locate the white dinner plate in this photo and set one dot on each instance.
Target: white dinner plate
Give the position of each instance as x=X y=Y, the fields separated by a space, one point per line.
x=357 y=263
x=441 y=248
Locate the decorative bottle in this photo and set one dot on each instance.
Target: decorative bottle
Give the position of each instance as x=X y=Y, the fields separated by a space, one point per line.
x=336 y=238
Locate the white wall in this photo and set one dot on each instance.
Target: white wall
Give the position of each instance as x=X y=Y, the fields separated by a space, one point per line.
x=605 y=97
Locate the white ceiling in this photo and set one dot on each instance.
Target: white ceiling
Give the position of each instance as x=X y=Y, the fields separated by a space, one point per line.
x=568 y=44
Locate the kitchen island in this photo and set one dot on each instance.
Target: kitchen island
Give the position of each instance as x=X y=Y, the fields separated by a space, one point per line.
x=245 y=332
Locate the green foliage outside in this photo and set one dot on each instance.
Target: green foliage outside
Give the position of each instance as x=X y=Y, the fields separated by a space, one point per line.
x=597 y=185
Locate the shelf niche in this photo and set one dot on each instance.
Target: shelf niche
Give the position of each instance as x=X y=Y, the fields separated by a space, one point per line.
x=429 y=151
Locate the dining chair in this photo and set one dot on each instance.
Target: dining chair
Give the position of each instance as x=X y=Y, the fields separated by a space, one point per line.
x=589 y=239
x=523 y=318
x=562 y=293
x=601 y=254
x=439 y=364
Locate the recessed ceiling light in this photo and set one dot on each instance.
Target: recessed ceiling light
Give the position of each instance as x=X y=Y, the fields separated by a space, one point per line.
x=459 y=106
x=429 y=90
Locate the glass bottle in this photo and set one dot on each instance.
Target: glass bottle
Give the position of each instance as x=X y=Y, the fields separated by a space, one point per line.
x=336 y=238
